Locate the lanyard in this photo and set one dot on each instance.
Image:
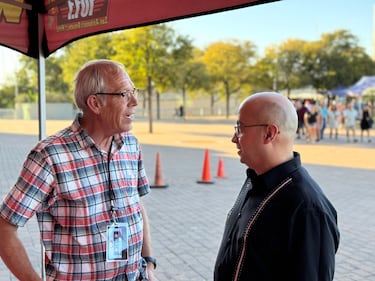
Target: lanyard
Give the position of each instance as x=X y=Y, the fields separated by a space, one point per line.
x=112 y=195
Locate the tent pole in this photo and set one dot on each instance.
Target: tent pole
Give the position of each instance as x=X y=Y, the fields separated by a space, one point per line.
x=41 y=109
x=42 y=97
x=42 y=126
x=41 y=82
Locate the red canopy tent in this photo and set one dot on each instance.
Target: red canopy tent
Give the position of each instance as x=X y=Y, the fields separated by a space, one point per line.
x=63 y=21
x=38 y=28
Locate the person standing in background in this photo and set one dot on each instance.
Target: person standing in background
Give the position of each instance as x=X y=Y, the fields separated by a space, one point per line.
x=311 y=123
x=350 y=116
x=323 y=119
x=333 y=121
x=366 y=122
x=301 y=110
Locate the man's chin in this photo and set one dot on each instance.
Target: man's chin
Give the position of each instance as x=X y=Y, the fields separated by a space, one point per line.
x=127 y=127
x=243 y=161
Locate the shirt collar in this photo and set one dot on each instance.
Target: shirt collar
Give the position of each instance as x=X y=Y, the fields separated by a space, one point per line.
x=267 y=181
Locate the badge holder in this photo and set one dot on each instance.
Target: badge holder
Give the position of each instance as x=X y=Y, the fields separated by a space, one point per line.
x=117 y=241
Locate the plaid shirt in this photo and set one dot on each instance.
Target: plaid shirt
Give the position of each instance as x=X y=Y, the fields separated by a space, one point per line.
x=65 y=181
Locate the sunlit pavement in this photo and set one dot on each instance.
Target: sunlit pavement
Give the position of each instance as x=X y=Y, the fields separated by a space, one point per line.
x=187 y=218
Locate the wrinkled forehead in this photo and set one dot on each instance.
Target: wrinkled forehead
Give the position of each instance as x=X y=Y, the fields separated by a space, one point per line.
x=119 y=81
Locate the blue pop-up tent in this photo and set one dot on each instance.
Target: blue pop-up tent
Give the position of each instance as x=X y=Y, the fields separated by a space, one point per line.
x=339 y=91
x=359 y=88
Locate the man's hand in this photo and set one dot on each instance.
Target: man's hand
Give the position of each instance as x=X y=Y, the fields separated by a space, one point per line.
x=150 y=272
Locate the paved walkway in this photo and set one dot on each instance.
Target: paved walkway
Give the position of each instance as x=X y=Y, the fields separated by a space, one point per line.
x=187 y=218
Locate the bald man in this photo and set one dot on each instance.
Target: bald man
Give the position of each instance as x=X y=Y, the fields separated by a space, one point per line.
x=282 y=226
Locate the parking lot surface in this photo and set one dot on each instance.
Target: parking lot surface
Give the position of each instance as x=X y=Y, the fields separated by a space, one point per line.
x=187 y=218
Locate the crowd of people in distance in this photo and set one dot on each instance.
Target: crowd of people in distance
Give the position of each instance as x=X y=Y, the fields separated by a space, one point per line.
x=315 y=117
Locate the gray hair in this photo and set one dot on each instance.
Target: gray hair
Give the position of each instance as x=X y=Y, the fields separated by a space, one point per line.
x=94 y=77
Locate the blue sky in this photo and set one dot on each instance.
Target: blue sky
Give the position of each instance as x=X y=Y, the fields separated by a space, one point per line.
x=275 y=22
x=268 y=24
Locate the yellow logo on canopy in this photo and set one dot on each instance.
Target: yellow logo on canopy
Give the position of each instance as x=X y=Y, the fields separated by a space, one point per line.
x=10 y=13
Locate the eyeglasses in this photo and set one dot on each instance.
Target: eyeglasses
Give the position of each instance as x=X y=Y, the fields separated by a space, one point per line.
x=128 y=94
x=237 y=129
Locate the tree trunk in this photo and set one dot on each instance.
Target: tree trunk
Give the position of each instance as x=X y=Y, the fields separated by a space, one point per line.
x=157 y=105
x=227 y=92
x=149 y=90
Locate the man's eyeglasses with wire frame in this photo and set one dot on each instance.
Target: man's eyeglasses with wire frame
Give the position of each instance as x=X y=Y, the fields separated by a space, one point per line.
x=237 y=128
x=128 y=94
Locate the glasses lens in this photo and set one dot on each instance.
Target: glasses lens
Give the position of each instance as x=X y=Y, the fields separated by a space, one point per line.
x=237 y=130
x=129 y=93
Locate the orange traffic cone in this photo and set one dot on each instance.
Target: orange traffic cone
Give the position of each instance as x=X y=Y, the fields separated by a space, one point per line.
x=159 y=182
x=220 y=169
x=206 y=175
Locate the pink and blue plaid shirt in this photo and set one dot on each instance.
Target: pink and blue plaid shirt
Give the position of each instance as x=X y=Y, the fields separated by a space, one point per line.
x=65 y=181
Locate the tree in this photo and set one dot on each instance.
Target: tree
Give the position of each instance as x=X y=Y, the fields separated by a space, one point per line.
x=336 y=59
x=189 y=73
x=289 y=64
x=147 y=54
x=76 y=54
x=228 y=64
x=7 y=94
x=58 y=89
x=265 y=71
x=349 y=60
x=27 y=81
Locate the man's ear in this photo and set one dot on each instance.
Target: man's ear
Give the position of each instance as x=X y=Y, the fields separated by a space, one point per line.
x=94 y=103
x=271 y=132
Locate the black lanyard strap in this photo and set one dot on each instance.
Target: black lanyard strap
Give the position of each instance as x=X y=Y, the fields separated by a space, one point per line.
x=112 y=195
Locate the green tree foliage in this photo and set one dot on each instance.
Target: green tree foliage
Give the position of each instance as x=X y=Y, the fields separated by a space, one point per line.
x=289 y=64
x=200 y=83
x=57 y=88
x=27 y=81
x=265 y=71
x=189 y=73
x=7 y=96
x=336 y=59
x=145 y=52
x=148 y=54
x=228 y=63
x=79 y=52
x=159 y=60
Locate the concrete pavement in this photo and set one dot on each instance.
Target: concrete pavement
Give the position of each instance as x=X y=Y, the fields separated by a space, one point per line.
x=187 y=218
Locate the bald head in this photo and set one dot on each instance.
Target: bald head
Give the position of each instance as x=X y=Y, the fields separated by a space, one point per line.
x=271 y=108
x=267 y=124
